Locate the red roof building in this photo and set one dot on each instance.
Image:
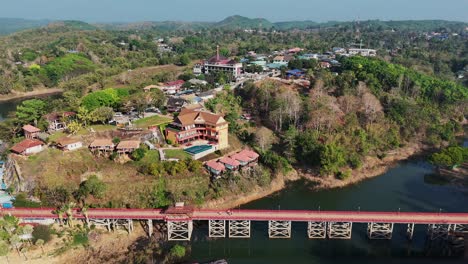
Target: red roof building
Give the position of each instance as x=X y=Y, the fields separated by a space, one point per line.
x=28 y=147
x=30 y=131
x=230 y=163
x=215 y=167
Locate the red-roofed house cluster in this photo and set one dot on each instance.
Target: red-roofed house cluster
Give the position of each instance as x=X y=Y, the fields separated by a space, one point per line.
x=243 y=159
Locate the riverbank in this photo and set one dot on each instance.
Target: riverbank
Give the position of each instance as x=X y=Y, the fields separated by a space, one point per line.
x=372 y=167
x=232 y=201
x=40 y=92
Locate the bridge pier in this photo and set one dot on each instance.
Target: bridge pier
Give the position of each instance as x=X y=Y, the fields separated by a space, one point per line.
x=317 y=230
x=101 y=222
x=216 y=228
x=340 y=230
x=279 y=229
x=150 y=227
x=410 y=231
x=125 y=223
x=239 y=228
x=460 y=228
x=179 y=230
x=436 y=231
x=379 y=230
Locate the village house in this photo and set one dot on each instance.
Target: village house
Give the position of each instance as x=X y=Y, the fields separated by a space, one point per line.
x=28 y=147
x=69 y=144
x=102 y=146
x=296 y=73
x=191 y=125
x=215 y=167
x=174 y=104
x=58 y=121
x=30 y=132
x=172 y=87
x=246 y=157
x=127 y=146
x=282 y=60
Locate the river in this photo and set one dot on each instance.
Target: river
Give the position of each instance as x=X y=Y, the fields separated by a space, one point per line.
x=407 y=187
x=9 y=106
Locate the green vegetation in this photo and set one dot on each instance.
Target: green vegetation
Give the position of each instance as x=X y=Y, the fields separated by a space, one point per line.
x=176 y=154
x=178 y=251
x=450 y=157
x=155 y=120
x=42 y=232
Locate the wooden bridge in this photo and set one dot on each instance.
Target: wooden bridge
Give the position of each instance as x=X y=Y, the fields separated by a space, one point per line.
x=237 y=223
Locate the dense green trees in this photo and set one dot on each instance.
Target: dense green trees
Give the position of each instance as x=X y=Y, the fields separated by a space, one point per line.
x=450 y=156
x=30 y=111
x=109 y=97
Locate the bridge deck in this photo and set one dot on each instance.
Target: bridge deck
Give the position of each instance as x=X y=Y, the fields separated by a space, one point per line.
x=253 y=215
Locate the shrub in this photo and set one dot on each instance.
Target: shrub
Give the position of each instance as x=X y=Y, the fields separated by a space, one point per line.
x=178 y=251
x=80 y=238
x=42 y=232
x=343 y=175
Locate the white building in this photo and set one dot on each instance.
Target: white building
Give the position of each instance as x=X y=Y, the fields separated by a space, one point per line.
x=218 y=63
x=362 y=52
x=28 y=147
x=69 y=144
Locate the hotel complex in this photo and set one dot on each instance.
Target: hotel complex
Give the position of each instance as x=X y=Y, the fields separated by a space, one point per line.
x=218 y=63
x=191 y=125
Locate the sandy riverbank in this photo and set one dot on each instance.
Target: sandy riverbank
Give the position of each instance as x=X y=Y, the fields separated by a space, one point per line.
x=40 y=92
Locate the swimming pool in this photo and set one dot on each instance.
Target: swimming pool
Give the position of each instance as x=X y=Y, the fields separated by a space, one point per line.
x=198 y=149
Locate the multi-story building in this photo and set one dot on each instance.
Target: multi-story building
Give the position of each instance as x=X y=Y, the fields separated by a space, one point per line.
x=362 y=52
x=219 y=63
x=192 y=125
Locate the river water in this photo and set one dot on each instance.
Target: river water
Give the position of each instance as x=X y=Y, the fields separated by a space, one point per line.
x=408 y=187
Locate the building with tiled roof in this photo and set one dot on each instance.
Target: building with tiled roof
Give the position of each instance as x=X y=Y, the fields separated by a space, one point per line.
x=58 y=121
x=215 y=167
x=229 y=163
x=102 y=145
x=68 y=144
x=191 y=125
x=30 y=131
x=127 y=146
x=28 y=147
x=219 y=63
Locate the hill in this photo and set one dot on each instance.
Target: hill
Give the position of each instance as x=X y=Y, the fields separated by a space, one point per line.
x=11 y=25
x=240 y=22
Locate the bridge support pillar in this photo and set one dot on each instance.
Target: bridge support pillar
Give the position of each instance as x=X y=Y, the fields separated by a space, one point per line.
x=179 y=230
x=379 y=230
x=239 y=228
x=125 y=223
x=436 y=231
x=279 y=229
x=460 y=228
x=317 y=230
x=150 y=227
x=101 y=222
x=340 y=230
x=217 y=228
x=410 y=231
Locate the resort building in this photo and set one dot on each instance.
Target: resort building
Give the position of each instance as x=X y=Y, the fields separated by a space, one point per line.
x=28 y=147
x=127 y=146
x=229 y=163
x=191 y=125
x=218 y=63
x=102 y=145
x=215 y=167
x=172 y=87
x=30 y=131
x=69 y=144
x=58 y=121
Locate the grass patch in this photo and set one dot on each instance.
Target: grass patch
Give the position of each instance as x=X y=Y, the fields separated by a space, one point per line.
x=151 y=121
x=176 y=154
x=57 y=135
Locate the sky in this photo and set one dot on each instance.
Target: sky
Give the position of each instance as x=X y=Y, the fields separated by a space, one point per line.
x=216 y=10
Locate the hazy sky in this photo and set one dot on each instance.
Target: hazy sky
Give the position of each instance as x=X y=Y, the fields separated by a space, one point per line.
x=215 y=10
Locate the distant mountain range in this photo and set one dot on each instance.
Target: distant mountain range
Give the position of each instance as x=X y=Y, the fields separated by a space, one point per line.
x=10 y=25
